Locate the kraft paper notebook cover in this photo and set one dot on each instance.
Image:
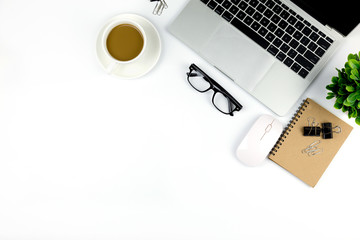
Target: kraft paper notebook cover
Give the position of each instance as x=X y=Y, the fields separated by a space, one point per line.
x=289 y=154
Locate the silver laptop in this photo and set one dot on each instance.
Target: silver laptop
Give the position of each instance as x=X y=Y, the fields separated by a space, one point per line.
x=271 y=48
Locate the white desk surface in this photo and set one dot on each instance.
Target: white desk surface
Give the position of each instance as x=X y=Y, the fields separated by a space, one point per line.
x=84 y=155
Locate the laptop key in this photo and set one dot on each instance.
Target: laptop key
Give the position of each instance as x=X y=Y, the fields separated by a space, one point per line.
x=312 y=46
x=250 y=33
x=270 y=4
x=314 y=36
x=270 y=37
x=285 y=48
x=271 y=27
x=297 y=35
x=255 y=26
x=279 y=32
x=306 y=31
x=277 y=9
x=254 y=3
x=261 y=8
x=212 y=4
x=268 y=13
x=243 y=5
x=290 y=29
x=263 y=31
x=286 y=38
x=305 y=41
x=304 y=62
x=288 y=61
x=236 y=2
x=323 y=43
x=219 y=10
x=257 y=16
x=275 y=18
x=281 y=56
x=250 y=11
x=303 y=73
x=277 y=42
x=284 y=14
x=312 y=57
x=329 y=40
x=273 y=50
x=301 y=49
x=234 y=9
x=241 y=15
x=264 y=21
x=295 y=67
x=248 y=20
x=283 y=24
x=205 y=1
x=299 y=25
x=227 y=16
x=226 y=4
x=292 y=20
x=292 y=53
x=320 y=52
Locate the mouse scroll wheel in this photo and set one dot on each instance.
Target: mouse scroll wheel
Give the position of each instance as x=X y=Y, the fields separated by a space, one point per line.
x=268 y=128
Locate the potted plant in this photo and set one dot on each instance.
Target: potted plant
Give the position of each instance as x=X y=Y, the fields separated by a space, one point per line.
x=346 y=88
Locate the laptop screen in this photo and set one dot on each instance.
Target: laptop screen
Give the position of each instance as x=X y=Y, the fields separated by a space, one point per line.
x=343 y=15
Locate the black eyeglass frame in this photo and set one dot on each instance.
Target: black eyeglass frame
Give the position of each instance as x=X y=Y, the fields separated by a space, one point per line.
x=216 y=87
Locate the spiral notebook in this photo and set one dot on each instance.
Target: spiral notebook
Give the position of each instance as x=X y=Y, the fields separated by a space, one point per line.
x=307 y=157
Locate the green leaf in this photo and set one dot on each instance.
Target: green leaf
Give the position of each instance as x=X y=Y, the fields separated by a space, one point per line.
x=338 y=105
x=342 y=92
x=354 y=64
x=350 y=112
x=353 y=77
x=341 y=99
x=357 y=120
x=350 y=88
x=348 y=71
x=344 y=108
x=347 y=103
x=351 y=56
x=342 y=81
x=358 y=106
x=354 y=112
x=355 y=72
x=352 y=98
x=335 y=80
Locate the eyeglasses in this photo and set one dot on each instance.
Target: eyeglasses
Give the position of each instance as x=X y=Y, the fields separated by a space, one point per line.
x=221 y=99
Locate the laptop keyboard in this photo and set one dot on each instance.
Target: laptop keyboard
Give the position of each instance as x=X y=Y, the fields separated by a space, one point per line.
x=276 y=28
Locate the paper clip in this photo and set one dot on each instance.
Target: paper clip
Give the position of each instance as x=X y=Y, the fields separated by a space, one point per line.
x=313 y=149
x=160 y=5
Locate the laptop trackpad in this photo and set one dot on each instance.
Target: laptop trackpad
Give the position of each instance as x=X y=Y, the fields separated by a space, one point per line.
x=237 y=56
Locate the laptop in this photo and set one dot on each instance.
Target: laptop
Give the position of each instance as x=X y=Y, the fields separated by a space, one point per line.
x=273 y=49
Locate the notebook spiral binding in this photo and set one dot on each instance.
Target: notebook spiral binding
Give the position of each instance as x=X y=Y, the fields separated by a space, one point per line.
x=289 y=127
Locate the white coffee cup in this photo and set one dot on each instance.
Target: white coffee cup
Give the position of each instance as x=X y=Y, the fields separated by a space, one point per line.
x=115 y=64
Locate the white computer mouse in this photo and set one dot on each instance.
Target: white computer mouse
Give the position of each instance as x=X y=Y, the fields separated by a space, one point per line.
x=259 y=141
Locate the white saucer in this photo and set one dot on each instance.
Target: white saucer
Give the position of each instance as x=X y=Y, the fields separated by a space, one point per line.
x=146 y=61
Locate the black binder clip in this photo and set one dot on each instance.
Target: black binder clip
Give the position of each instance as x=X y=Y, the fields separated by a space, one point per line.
x=312 y=129
x=328 y=130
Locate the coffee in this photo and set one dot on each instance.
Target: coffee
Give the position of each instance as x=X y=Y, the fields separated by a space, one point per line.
x=125 y=42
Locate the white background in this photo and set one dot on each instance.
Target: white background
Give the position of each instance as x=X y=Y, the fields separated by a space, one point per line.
x=85 y=155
